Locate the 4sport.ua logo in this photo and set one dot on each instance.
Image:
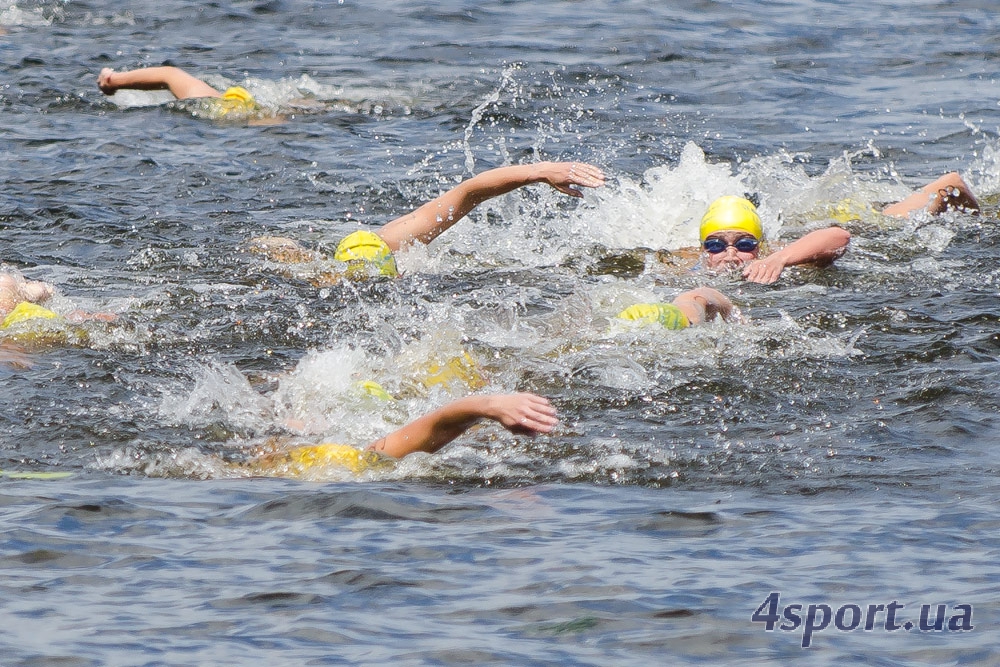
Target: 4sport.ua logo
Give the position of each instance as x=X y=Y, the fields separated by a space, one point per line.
x=849 y=617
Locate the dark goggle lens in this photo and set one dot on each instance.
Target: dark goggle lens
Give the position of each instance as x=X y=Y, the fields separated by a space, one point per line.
x=715 y=246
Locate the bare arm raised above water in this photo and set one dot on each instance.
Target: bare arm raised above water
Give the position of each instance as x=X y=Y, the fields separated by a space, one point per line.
x=523 y=414
x=174 y=79
x=430 y=220
x=944 y=193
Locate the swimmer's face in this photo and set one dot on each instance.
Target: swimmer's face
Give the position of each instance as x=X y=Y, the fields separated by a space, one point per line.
x=730 y=257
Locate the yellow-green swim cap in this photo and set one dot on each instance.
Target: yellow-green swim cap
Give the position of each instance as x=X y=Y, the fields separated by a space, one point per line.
x=25 y=311
x=364 y=249
x=327 y=454
x=731 y=212
x=667 y=314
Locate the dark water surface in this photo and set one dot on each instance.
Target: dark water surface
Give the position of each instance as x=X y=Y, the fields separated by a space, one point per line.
x=839 y=447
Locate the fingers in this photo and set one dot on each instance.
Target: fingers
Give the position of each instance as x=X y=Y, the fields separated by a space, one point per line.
x=104 y=80
x=527 y=414
x=761 y=272
x=540 y=416
x=567 y=176
x=587 y=175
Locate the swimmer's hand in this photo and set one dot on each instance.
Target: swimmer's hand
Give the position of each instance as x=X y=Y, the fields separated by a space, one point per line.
x=566 y=177
x=104 y=81
x=764 y=271
x=523 y=414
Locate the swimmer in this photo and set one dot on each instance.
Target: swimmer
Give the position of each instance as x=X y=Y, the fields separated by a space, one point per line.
x=371 y=253
x=731 y=237
x=21 y=299
x=182 y=85
x=731 y=233
x=521 y=414
x=690 y=308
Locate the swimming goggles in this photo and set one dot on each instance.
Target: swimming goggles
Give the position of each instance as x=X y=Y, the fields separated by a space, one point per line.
x=715 y=246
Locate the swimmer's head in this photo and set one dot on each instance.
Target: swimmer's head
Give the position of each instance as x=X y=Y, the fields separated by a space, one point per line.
x=731 y=213
x=366 y=254
x=731 y=233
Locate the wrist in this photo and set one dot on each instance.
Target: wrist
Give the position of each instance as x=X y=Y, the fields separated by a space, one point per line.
x=537 y=172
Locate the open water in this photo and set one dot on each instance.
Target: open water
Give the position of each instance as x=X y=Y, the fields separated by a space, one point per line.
x=840 y=447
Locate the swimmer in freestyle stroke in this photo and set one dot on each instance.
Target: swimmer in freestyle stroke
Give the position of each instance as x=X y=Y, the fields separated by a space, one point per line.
x=370 y=254
x=234 y=100
x=521 y=414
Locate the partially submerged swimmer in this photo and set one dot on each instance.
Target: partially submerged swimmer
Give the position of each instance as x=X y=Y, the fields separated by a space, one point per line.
x=235 y=101
x=732 y=235
x=24 y=319
x=369 y=254
x=689 y=308
x=521 y=414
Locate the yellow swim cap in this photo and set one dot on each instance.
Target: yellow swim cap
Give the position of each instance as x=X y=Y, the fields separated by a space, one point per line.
x=462 y=369
x=667 y=314
x=362 y=250
x=848 y=210
x=25 y=311
x=731 y=212
x=308 y=457
x=239 y=94
x=236 y=101
x=374 y=389
x=326 y=454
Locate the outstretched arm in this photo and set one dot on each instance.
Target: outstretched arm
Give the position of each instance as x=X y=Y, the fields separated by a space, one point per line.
x=525 y=414
x=820 y=247
x=947 y=192
x=174 y=79
x=703 y=304
x=434 y=217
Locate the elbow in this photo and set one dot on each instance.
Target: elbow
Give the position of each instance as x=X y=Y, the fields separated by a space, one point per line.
x=833 y=240
x=842 y=237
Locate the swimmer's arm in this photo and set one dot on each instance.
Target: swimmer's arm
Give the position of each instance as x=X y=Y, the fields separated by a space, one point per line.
x=525 y=414
x=948 y=191
x=430 y=220
x=703 y=305
x=820 y=247
x=174 y=79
